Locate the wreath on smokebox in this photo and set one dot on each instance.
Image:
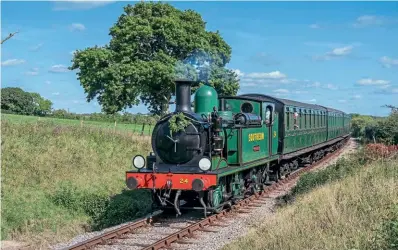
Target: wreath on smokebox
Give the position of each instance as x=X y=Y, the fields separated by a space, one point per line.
x=178 y=122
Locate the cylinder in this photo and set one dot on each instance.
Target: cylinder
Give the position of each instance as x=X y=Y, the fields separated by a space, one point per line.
x=183 y=95
x=206 y=98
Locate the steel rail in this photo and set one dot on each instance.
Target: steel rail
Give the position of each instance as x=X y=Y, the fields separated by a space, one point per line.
x=115 y=233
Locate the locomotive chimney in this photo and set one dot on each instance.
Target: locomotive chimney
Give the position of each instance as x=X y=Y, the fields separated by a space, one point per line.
x=183 y=95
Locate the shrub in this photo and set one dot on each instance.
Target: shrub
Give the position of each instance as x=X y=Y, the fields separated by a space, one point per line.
x=376 y=151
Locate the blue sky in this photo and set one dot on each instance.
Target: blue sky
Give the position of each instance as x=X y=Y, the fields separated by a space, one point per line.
x=338 y=54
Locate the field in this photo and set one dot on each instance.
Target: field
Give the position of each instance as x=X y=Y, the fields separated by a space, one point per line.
x=133 y=128
x=59 y=181
x=357 y=208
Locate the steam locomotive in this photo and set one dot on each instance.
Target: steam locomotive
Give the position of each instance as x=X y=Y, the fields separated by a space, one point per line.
x=228 y=147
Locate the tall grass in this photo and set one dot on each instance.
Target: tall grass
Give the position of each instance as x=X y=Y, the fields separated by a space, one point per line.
x=358 y=211
x=60 y=181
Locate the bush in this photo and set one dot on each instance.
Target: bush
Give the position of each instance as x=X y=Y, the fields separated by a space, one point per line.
x=126 y=206
x=377 y=151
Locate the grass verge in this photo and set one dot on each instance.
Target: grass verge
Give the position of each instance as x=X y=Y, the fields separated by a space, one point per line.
x=61 y=181
x=357 y=208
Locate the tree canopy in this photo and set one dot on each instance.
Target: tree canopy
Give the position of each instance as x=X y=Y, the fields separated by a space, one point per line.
x=376 y=129
x=15 y=100
x=151 y=45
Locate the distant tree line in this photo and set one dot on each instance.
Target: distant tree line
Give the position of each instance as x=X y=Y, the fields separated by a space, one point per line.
x=124 y=117
x=20 y=102
x=376 y=129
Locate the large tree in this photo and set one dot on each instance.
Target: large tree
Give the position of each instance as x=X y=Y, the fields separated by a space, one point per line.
x=15 y=100
x=151 y=45
x=18 y=101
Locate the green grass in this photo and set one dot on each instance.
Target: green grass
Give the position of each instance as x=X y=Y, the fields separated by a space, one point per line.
x=59 y=181
x=350 y=206
x=133 y=128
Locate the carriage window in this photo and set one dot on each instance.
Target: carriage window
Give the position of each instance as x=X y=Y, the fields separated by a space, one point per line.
x=301 y=119
x=287 y=118
x=295 y=119
x=305 y=120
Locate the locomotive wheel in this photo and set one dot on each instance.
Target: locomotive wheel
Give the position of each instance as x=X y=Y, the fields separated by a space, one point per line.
x=276 y=176
x=218 y=209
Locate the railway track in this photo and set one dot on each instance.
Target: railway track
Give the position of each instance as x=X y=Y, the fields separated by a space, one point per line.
x=134 y=232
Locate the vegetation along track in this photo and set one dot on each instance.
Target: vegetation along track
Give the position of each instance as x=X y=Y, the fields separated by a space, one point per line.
x=157 y=232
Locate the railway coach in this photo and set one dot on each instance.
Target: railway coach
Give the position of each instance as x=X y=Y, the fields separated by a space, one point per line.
x=228 y=147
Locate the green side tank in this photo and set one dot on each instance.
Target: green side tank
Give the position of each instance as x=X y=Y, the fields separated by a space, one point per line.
x=206 y=98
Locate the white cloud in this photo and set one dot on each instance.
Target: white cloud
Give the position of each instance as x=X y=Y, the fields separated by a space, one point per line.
x=55 y=93
x=313 y=85
x=281 y=91
x=355 y=97
x=286 y=80
x=388 y=62
x=300 y=92
x=341 y=51
x=342 y=101
x=312 y=100
x=250 y=84
x=270 y=75
x=77 y=27
x=331 y=86
x=36 y=47
x=368 y=20
x=48 y=82
x=263 y=79
x=237 y=71
x=33 y=72
x=394 y=90
x=315 y=26
x=320 y=85
x=12 y=62
x=335 y=53
x=369 y=81
x=385 y=86
x=59 y=68
x=78 y=5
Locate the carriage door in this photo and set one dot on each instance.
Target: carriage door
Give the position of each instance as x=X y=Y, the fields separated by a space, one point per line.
x=269 y=120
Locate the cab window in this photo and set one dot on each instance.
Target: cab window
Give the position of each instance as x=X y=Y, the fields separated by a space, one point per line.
x=268 y=115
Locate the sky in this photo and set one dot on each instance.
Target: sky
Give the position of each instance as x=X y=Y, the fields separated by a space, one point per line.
x=342 y=55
